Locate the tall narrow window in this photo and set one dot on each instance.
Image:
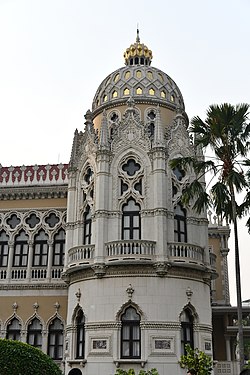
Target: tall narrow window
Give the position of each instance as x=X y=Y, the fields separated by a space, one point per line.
x=4 y=249
x=40 y=256
x=131 y=221
x=55 y=341
x=180 y=225
x=130 y=334
x=87 y=224
x=13 y=330
x=21 y=250
x=34 y=337
x=59 y=248
x=80 y=334
x=186 y=330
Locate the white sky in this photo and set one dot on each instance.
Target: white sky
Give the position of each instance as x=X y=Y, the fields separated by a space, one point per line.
x=55 y=53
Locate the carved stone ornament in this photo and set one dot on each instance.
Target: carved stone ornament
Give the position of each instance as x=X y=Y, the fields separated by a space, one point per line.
x=15 y=306
x=35 y=306
x=161 y=268
x=99 y=269
x=56 y=306
x=189 y=293
x=130 y=290
x=78 y=295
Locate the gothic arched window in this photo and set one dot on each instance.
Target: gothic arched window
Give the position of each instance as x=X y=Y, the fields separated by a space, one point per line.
x=13 y=330
x=180 y=224
x=187 y=336
x=4 y=251
x=55 y=340
x=21 y=250
x=80 y=334
x=131 y=221
x=130 y=334
x=87 y=226
x=34 y=336
x=59 y=248
x=40 y=256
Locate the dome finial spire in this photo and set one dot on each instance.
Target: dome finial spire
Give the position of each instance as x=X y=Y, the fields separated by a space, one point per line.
x=137 y=35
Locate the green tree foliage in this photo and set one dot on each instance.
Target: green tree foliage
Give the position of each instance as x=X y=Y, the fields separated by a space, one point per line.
x=196 y=361
x=18 y=358
x=131 y=371
x=225 y=133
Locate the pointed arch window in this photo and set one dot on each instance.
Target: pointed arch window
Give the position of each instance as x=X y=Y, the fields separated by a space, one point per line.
x=34 y=336
x=21 y=250
x=87 y=226
x=180 y=224
x=187 y=335
x=4 y=250
x=59 y=248
x=55 y=339
x=40 y=256
x=131 y=221
x=14 y=330
x=130 y=334
x=80 y=334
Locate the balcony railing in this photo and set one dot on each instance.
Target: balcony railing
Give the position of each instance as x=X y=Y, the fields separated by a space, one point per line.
x=186 y=253
x=80 y=255
x=125 y=250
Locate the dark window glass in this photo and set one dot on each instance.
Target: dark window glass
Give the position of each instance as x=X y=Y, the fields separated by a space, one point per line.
x=180 y=225
x=40 y=255
x=130 y=334
x=13 y=330
x=131 y=221
x=138 y=186
x=52 y=220
x=59 y=248
x=131 y=167
x=34 y=336
x=13 y=221
x=88 y=175
x=21 y=250
x=4 y=249
x=32 y=220
x=179 y=173
x=124 y=187
x=186 y=330
x=87 y=224
x=80 y=334
x=55 y=340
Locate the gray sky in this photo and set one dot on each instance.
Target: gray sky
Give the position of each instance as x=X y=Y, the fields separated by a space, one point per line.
x=55 y=53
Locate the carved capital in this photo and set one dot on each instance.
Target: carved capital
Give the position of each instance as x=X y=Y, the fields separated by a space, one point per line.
x=99 y=269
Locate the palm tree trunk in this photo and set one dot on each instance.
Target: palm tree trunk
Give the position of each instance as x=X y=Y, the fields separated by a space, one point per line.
x=238 y=280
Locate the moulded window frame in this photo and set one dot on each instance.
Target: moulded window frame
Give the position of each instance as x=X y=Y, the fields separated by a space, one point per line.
x=131 y=340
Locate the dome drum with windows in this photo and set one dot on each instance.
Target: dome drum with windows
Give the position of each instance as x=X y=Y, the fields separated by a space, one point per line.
x=139 y=80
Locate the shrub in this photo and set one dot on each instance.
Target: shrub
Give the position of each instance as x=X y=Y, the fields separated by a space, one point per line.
x=196 y=361
x=18 y=358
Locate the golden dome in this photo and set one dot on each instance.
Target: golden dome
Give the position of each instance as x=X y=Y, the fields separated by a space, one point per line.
x=138 y=53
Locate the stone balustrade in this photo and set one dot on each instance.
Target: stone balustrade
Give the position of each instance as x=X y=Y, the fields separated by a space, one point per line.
x=184 y=252
x=79 y=255
x=122 y=250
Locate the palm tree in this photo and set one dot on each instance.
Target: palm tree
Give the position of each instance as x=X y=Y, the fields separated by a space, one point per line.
x=226 y=133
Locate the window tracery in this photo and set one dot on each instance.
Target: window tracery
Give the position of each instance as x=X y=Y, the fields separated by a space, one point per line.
x=55 y=339
x=130 y=334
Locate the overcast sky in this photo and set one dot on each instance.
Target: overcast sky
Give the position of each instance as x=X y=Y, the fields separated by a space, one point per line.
x=55 y=53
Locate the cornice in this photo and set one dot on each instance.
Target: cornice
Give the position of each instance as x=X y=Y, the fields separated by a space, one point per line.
x=33 y=192
x=35 y=286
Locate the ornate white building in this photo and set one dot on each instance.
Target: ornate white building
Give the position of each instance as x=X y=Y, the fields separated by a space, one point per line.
x=100 y=265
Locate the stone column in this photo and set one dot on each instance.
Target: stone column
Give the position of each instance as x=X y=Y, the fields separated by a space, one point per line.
x=50 y=260
x=30 y=259
x=10 y=260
